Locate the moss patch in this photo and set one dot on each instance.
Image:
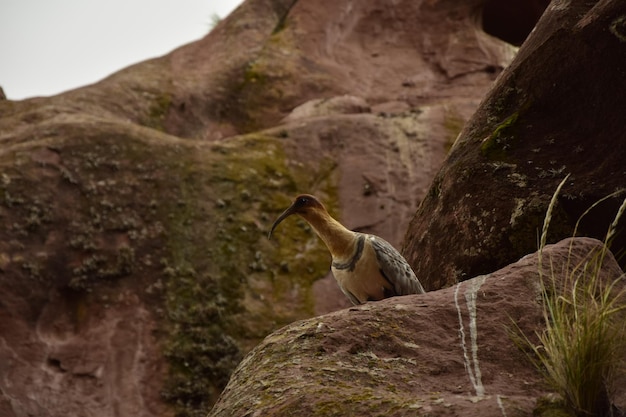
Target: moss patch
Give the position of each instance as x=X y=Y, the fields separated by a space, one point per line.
x=158 y=111
x=229 y=286
x=251 y=95
x=180 y=225
x=495 y=146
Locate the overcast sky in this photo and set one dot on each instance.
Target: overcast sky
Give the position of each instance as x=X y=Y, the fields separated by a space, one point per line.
x=50 y=46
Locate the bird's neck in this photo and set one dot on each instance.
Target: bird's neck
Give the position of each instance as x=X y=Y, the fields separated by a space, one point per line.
x=339 y=240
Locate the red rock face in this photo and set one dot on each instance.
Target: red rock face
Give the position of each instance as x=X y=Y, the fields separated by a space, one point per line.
x=81 y=358
x=447 y=352
x=265 y=60
x=134 y=268
x=554 y=111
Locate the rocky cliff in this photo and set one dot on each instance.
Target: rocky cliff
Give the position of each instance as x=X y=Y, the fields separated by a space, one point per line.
x=134 y=269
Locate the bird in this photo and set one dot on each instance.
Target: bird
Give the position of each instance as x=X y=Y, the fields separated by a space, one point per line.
x=366 y=267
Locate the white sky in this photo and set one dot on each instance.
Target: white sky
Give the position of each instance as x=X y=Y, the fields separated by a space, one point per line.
x=50 y=46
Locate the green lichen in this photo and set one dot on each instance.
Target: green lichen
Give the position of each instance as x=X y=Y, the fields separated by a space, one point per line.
x=495 y=146
x=528 y=221
x=69 y=235
x=254 y=75
x=158 y=111
x=263 y=81
x=218 y=270
x=182 y=226
x=201 y=293
x=98 y=267
x=241 y=105
x=360 y=383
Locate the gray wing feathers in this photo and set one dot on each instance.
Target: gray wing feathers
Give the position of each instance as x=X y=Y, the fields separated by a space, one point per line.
x=395 y=268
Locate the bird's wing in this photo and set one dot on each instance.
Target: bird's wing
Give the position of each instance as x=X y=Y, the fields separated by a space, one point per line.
x=395 y=268
x=355 y=301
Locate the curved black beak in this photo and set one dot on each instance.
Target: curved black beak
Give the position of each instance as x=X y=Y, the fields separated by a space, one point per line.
x=286 y=213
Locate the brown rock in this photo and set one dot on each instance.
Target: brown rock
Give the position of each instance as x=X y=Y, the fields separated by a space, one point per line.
x=134 y=267
x=267 y=58
x=80 y=358
x=447 y=352
x=326 y=107
x=550 y=114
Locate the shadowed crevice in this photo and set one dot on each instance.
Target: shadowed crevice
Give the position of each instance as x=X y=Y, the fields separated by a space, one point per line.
x=512 y=21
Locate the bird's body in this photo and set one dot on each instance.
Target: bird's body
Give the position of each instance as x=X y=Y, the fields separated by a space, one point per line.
x=363 y=277
x=366 y=267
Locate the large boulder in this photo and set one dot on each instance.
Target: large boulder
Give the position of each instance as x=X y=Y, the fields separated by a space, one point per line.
x=556 y=110
x=450 y=352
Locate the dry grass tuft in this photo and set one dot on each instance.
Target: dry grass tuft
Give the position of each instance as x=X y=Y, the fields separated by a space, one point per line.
x=580 y=350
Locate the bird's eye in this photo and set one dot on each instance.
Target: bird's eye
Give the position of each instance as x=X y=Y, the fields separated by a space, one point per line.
x=303 y=200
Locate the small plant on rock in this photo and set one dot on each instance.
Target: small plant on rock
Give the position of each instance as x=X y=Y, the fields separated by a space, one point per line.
x=580 y=350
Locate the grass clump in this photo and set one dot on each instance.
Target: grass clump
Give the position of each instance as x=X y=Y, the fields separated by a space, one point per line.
x=580 y=350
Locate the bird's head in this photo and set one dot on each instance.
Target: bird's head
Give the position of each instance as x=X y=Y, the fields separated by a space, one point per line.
x=303 y=205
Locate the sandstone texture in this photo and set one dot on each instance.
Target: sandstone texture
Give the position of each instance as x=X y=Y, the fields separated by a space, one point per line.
x=556 y=110
x=448 y=352
x=134 y=268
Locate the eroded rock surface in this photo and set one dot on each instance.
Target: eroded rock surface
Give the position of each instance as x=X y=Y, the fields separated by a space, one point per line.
x=447 y=352
x=134 y=268
x=550 y=114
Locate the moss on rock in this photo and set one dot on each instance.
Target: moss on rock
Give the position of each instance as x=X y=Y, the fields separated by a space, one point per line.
x=228 y=286
x=495 y=146
x=180 y=224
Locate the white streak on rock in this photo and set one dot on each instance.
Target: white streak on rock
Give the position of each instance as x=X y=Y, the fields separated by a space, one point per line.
x=471 y=364
x=501 y=405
